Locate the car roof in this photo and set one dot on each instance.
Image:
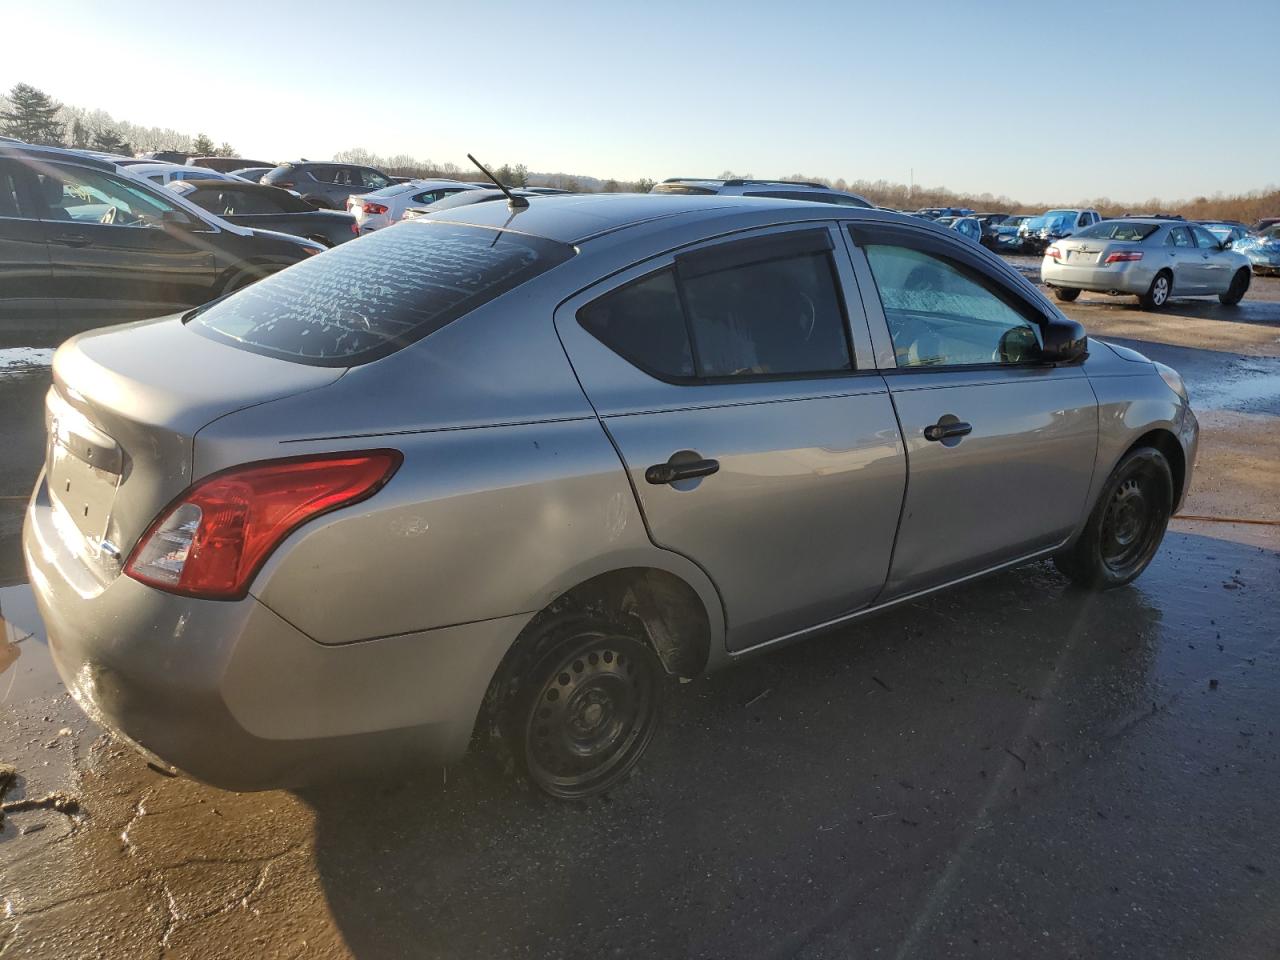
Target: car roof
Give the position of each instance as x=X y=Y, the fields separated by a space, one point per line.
x=579 y=217
x=33 y=152
x=217 y=183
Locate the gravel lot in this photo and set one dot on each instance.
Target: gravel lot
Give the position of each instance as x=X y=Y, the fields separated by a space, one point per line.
x=1014 y=769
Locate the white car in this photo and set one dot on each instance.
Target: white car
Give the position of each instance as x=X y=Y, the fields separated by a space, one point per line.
x=161 y=174
x=382 y=208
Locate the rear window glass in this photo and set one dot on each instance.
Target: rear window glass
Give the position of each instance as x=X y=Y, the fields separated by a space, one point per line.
x=1118 y=230
x=363 y=300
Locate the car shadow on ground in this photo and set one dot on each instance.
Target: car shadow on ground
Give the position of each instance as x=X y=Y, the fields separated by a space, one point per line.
x=830 y=795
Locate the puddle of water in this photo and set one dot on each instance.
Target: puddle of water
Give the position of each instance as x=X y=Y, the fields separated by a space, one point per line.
x=18 y=362
x=26 y=670
x=1257 y=389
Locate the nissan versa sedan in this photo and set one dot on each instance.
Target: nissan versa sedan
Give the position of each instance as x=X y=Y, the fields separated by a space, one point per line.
x=496 y=475
x=1152 y=259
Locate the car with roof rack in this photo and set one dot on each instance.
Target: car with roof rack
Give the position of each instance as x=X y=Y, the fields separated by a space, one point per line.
x=480 y=477
x=774 y=189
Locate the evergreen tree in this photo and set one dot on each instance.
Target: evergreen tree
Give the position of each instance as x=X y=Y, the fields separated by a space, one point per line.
x=80 y=137
x=203 y=146
x=226 y=150
x=33 y=117
x=108 y=141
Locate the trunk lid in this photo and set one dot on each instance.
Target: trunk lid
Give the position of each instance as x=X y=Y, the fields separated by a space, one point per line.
x=122 y=415
x=1087 y=252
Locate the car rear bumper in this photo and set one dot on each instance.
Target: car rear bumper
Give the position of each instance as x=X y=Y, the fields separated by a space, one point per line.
x=232 y=694
x=1133 y=277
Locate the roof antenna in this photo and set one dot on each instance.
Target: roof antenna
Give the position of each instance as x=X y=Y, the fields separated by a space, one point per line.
x=514 y=202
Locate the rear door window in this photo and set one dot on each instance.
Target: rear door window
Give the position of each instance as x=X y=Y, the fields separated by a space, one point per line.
x=1179 y=237
x=767 y=307
x=362 y=301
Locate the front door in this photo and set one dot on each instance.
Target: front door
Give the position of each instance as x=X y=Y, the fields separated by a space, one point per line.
x=1000 y=446
x=1184 y=260
x=1215 y=270
x=759 y=440
x=118 y=249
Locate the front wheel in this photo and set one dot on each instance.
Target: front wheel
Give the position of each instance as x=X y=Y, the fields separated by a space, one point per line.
x=583 y=706
x=1126 y=526
x=1239 y=286
x=1157 y=294
x=1065 y=294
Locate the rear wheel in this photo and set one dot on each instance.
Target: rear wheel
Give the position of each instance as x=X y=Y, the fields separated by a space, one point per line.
x=581 y=704
x=1158 y=293
x=1065 y=294
x=1127 y=523
x=1239 y=286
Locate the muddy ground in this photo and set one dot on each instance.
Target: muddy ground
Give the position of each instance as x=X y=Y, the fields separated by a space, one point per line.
x=1011 y=769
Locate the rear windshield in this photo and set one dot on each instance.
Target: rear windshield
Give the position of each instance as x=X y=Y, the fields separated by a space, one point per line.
x=368 y=298
x=1118 y=230
x=394 y=190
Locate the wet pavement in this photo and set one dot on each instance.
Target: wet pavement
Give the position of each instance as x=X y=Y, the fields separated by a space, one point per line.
x=1015 y=768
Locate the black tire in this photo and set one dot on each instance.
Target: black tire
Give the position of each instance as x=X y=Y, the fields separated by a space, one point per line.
x=1239 y=286
x=1126 y=526
x=1065 y=294
x=580 y=703
x=1159 y=292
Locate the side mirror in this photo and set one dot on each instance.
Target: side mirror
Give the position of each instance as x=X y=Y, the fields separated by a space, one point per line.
x=1064 y=341
x=1226 y=244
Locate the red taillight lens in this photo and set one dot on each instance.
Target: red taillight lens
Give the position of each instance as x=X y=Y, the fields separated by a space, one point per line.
x=1054 y=253
x=1128 y=256
x=213 y=539
x=374 y=208
x=355 y=228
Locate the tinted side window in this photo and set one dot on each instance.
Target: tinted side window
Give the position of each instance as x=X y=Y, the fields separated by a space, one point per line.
x=776 y=317
x=10 y=192
x=91 y=196
x=1179 y=237
x=644 y=323
x=941 y=314
x=728 y=318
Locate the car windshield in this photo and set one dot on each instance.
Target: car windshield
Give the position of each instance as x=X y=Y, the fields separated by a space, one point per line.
x=1118 y=230
x=364 y=300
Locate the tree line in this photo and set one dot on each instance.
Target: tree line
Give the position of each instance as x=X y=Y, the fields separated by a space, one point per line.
x=35 y=117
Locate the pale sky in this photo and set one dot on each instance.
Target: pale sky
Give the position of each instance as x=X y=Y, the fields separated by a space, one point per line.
x=1039 y=101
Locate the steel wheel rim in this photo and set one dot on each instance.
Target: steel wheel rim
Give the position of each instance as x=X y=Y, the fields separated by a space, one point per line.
x=1130 y=525
x=591 y=719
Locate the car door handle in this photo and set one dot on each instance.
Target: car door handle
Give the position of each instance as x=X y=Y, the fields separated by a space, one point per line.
x=671 y=472
x=943 y=431
x=71 y=240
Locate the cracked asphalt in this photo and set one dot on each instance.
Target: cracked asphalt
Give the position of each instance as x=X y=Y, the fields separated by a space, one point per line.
x=1014 y=768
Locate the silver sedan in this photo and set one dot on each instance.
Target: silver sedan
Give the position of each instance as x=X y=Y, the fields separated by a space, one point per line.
x=497 y=474
x=1151 y=259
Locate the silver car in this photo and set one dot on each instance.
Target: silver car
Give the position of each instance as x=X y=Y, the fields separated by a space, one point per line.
x=1153 y=259
x=497 y=474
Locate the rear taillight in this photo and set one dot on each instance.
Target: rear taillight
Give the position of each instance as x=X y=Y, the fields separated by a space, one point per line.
x=1126 y=256
x=355 y=228
x=212 y=540
x=373 y=208
x=1054 y=253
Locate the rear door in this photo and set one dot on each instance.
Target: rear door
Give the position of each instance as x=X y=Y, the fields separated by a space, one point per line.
x=1184 y=260
x=1000 y=447
x=740 y=392
x=27 y=297
x=114 y=254
x=1215 y=269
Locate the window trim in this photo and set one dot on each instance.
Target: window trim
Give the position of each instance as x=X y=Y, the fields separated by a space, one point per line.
x=864 y=233
x=727 y=253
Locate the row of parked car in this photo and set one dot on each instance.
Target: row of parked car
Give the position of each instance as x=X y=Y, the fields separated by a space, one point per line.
x=67 y=204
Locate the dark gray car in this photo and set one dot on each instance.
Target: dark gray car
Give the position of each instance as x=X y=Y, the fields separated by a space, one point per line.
x=498 y=473
x=268 y=208
x=326 y=185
